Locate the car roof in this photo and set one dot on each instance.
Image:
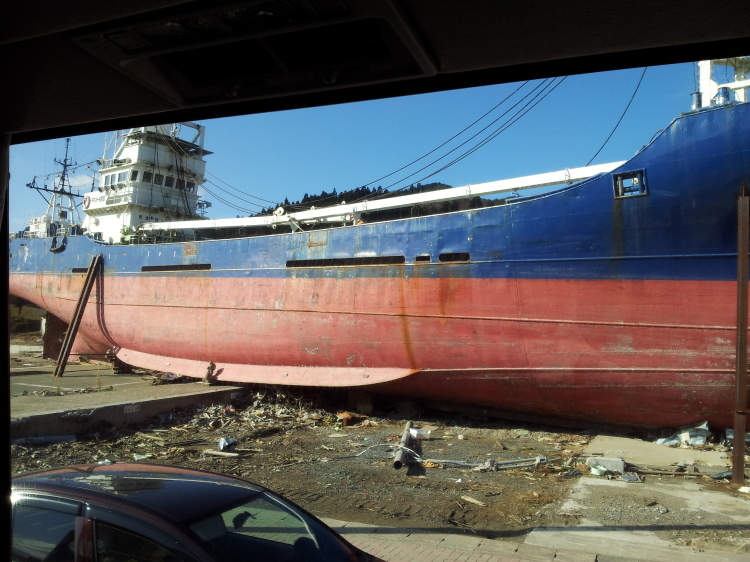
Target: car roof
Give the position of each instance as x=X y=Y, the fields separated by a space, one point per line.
x=182 y=494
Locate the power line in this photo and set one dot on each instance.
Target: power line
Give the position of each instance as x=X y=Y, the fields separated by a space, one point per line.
x=236 y=197
x=542 y=84
x=547 y=87
x=450 y=139
x=445 y=143
x=521 y=113
x=621 y=116
x=232 y=205
x=240 y=191
x=172 y=143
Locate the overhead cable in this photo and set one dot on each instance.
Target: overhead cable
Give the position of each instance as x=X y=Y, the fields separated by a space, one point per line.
x=450 y=139
x=621 y=116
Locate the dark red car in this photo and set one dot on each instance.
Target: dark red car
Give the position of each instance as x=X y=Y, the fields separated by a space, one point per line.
x=133 y=512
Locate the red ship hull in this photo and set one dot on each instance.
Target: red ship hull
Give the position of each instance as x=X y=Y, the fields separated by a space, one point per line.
x=628 y=352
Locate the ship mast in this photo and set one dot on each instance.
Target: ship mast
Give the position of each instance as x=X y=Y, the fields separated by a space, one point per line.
x=62 y=212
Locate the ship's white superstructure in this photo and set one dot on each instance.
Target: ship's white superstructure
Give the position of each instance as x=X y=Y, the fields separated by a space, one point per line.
x=718 y=77
x=61 y=219
x=153 y=176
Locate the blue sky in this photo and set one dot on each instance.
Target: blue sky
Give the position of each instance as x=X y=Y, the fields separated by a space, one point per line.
x=288 y=154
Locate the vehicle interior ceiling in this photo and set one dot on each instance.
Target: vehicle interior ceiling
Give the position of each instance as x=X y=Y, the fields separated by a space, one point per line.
x=87 y=66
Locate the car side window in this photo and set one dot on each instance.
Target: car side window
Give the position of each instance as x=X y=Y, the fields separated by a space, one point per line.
x=271 y=530
x=117 y=545
x=266 y=521
x=43 y=534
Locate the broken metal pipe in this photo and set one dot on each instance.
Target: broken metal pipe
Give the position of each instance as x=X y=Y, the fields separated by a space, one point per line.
x=398 y=460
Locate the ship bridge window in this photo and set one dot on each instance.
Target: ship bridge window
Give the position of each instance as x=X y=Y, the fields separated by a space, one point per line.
x=108 y=180
x=630 y=184
x=147 y=177
x=180 y=184
x=134 y=175
x=454 y=256
x=158 y=179
x=122 y=176
x=169 y=181
x=191 y=186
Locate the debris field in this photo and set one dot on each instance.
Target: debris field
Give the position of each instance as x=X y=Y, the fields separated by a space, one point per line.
x=461 y=474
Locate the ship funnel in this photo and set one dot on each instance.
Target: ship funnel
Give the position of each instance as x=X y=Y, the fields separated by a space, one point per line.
x=697 y=101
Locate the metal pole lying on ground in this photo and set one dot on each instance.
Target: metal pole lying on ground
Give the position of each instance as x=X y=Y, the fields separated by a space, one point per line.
x=398 y=460
x=740 y=406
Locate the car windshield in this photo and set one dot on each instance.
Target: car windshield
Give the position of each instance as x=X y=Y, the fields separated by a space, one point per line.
x=271 y=529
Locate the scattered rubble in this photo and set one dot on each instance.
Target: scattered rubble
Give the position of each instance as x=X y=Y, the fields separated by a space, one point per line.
x=156 y=378
x=689 y=435
x=61 y=392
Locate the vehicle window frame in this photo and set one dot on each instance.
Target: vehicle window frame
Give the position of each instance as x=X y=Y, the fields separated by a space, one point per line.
x=133 y=536
x=183 y=546
x=46 y=504
x=320 y=533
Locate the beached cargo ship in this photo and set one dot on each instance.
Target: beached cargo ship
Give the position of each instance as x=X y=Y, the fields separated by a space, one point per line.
x=612 y=298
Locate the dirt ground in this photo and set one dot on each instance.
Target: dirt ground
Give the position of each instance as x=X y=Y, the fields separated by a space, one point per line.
x=343 y=468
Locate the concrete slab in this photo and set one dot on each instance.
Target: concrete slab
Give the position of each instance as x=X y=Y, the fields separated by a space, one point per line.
x=21 y=348
x=113 y=399
x=594 y=536
x=540 y=553
x=644 y=453
x=692 y=496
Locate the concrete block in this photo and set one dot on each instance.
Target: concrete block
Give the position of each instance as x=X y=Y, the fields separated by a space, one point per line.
x=613 y=464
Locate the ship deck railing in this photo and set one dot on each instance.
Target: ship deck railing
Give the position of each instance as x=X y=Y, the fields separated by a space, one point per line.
x=139 y=239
